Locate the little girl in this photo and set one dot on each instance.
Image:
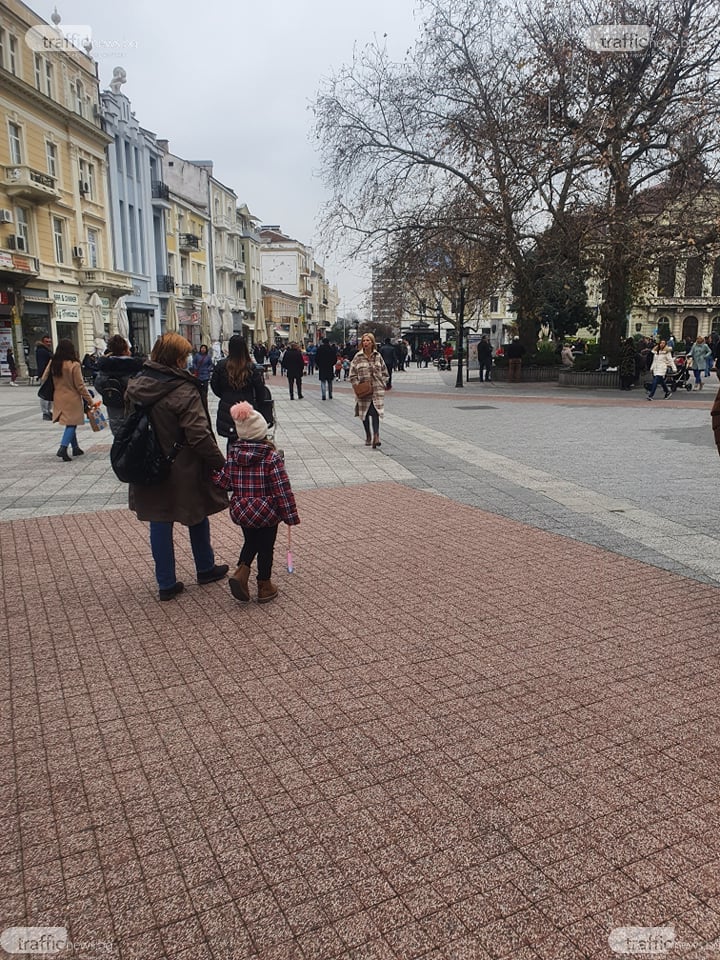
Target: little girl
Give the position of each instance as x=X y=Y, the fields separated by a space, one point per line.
x=261 y=497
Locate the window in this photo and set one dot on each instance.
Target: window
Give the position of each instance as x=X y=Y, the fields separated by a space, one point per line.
x=666 y=278
x=15 y=136
x=12 y=54
x=39 y=72
x=128 y=161
x=22 y=228
x=86 y=171
x=79 y=98
x=693 y=276
x=51 y=154
x=92 y=246
x=3 y=47
x=59 y=238
x=494 y=304
x=49 y=79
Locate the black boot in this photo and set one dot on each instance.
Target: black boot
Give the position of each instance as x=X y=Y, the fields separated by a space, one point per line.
x=77 y=452
x=63 y=454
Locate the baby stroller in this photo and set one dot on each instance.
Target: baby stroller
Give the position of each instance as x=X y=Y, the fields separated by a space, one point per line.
x=682 y=378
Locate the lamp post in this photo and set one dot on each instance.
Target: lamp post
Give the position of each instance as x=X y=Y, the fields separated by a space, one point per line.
x=439 y=315
x=461 y=321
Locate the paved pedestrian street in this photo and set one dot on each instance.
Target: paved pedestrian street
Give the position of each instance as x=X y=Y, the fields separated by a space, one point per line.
x=480 y=720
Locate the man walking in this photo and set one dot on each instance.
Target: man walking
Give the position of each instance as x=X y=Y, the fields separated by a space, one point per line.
x=43 y=356
x=515 y=352
x=484 y=354
x=325 y=359
x=387 y=352
x=295 y=368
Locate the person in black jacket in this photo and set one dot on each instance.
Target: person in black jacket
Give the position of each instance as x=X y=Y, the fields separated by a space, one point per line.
x=114 y=371
x=236 y=379
x=43 y=356
x=295 y=367
x=387 y=352
x=325 y=360
x=484 y=354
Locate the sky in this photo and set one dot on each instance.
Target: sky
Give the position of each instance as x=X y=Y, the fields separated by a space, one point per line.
x=234 y=83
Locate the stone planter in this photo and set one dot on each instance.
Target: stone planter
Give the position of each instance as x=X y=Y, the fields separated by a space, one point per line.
x=591 y=380
x=529 y=374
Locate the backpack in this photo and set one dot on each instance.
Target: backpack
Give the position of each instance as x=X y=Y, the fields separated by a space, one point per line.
x=113 y=393
x=136 y=456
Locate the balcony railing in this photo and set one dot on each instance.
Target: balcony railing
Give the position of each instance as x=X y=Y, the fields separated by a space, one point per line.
x=23 y=183
x=112 y=281
x=238 y=266
x=191 y=291
x=160 y=190
x=166 y=284
x=12 y=261
x=189 y=241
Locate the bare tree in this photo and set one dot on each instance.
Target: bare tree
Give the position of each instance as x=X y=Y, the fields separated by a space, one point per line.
x=506 y=115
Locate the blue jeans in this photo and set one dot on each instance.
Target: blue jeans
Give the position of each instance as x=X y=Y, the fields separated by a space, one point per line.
x=69 y=437
x=326 y=387
x=163 y=550
x=658 y=382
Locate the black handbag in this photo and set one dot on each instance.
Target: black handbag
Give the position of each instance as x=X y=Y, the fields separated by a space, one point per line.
x=47 y=389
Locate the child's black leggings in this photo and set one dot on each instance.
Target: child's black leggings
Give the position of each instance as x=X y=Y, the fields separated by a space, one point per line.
x=260 y=542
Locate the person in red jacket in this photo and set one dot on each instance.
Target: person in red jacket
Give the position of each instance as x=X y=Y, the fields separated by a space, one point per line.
x=261 y=497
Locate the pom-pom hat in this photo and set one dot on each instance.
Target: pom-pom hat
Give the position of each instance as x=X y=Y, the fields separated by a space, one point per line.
x=249 y=424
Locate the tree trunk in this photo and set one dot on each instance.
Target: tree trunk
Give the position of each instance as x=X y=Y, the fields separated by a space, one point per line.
x=616 y=302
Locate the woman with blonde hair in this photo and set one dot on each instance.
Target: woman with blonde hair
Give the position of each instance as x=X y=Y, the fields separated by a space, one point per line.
x=368 y=367
x=187 y=495
x=69 y=396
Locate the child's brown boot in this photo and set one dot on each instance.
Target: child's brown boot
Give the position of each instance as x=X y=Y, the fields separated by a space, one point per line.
x=267 y=591
x=239 y=583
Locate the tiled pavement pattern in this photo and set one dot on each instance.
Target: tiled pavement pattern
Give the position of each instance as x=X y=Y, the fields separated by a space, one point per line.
x=419 y=750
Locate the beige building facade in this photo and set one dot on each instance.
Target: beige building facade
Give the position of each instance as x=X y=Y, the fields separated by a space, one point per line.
x=54 y=243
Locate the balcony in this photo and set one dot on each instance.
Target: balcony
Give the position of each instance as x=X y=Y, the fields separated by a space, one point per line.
x=223 y=262
x=160 y=193
x=191 y=291
x=17 y=268
x=238 y=266
x=189 y=241
x=23 y=183
x=166 y=284
x=222 y=222
x=111 y=281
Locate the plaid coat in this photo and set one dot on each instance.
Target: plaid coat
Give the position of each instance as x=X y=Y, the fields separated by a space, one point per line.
x=260 y=492
x=374 y=368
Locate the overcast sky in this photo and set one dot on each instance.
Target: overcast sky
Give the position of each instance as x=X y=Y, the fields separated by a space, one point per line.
x=233 y=83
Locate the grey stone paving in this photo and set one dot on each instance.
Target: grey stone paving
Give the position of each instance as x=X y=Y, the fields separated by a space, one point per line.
x=636 y=478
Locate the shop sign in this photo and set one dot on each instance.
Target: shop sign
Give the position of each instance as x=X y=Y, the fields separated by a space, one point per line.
x=67 y=313
x=71 y=299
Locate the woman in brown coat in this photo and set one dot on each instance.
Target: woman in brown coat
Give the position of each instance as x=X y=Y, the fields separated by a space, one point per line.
x=69 y=396
x=188 y=495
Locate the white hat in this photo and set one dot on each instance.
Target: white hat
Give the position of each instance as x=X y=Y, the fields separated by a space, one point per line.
x=249 y=424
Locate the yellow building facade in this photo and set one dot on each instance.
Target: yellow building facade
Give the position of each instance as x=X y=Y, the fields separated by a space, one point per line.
x=54 y=238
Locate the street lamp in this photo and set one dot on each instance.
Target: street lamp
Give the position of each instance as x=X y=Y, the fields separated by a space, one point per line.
x=439 y=315
x=461 y=321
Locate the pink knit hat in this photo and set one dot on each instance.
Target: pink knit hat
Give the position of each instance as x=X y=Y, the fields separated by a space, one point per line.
x=249 y=424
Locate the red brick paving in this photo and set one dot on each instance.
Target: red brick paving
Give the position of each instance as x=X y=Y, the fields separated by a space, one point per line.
x=451 y=737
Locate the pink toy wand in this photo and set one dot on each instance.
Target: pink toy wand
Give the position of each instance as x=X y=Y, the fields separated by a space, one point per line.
x=289 y=551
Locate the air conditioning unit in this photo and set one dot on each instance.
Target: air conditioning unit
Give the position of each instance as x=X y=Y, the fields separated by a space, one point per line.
x=77 y=253
x=6 y=216
x=16 y=243
x=84 y=187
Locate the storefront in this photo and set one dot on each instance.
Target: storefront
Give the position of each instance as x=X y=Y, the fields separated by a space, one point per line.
x=67 y=319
